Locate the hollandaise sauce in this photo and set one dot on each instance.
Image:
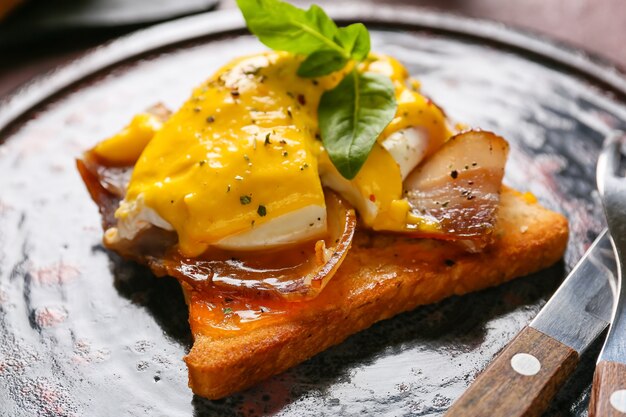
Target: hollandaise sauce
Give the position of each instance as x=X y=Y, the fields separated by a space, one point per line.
x=241 y=166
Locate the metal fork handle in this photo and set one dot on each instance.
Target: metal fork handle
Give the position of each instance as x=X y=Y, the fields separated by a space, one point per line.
x=608 y=395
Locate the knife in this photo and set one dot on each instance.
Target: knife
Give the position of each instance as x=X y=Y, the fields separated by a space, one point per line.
x=525 y=376
x=608 y=393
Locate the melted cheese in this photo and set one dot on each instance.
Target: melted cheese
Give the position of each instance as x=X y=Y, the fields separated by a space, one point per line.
x=243 y=152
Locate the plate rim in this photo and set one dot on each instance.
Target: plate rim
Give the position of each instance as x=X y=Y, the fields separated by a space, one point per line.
x=47 y=86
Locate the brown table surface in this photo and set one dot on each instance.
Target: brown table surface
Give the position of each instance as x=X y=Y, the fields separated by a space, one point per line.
x=597 y=26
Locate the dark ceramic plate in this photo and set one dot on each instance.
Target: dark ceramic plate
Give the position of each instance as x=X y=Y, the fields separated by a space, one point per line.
x=84 y=333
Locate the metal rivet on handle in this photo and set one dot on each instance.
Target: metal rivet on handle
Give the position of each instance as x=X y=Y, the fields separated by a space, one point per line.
x=525 y=364
x=618 y=400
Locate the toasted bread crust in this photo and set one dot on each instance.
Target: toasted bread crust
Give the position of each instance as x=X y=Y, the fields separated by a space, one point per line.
x=382 y=276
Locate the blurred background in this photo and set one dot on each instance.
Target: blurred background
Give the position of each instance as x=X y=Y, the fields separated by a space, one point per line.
x=38 y=35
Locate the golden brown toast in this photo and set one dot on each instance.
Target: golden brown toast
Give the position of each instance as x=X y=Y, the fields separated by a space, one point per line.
x=383 y=275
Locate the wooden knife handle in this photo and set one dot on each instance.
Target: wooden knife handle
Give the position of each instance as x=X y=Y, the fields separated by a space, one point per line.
x=522 y=379
x=608 y=394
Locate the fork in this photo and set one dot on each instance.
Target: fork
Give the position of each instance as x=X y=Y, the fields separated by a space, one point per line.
x=608 y=394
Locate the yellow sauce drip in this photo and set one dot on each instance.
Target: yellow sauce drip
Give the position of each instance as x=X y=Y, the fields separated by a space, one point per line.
x=125 y=147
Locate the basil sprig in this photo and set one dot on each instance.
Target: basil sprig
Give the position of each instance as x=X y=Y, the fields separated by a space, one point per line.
x=357 y=110
x=352 y=115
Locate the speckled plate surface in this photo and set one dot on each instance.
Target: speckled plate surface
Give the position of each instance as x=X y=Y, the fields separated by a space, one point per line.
x=83 y=333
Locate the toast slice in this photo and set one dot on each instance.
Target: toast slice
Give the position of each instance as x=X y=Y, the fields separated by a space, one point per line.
x=383 y=275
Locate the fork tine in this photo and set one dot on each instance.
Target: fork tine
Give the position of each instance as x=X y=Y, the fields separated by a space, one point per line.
x=608 y=161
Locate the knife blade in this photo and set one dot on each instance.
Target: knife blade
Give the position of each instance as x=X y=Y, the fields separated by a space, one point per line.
x=525 y=376
x=608 y=393
x=592 y=286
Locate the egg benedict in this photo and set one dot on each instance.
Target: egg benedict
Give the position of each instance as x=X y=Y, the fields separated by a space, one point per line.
x=240 y=167
x=302 y=194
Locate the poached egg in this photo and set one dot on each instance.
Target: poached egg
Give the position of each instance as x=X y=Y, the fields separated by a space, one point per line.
x=240 y=164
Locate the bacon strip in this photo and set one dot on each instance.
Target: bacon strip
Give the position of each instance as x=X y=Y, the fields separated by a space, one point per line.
x=458 y=188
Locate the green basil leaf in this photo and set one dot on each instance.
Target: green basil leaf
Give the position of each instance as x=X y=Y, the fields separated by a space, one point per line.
x=321 y=63
x=284 y=27
x=352 y=116
x=355 y=39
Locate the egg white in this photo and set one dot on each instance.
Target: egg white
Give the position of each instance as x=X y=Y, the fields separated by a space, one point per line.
x=348 y=190
x=300 y=225
x=135 y=217
x=407 y=147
